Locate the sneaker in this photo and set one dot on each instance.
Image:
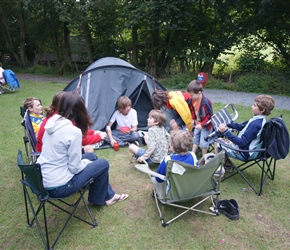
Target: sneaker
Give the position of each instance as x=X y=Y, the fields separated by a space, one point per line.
x=133 y=158
x=229 y=208
x=136 y=143
x=220 y=171
x=98 y=144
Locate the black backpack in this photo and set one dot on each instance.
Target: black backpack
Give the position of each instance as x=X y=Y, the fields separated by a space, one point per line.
x=275 y=138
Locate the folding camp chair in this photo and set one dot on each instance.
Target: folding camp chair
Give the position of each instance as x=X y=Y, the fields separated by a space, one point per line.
x=261 y=157
x=29 y=136
x=184 y=182
x=225 y=115
x=32 y=179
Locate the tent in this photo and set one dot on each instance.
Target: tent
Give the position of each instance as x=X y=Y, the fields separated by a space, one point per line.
x=105 y=80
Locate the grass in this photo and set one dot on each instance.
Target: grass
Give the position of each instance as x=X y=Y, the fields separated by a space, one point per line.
x=134 y=224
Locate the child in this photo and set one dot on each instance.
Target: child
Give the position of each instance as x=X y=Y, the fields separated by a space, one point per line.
x=126 y=118
x=181 y=142
x=2 y=79
x=176 y=104
x=34 y=106
x=157 y=140
x=250 y=131
x=201 y=114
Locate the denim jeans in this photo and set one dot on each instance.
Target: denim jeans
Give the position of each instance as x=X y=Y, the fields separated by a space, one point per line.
x=99 y=191
x=120 y=137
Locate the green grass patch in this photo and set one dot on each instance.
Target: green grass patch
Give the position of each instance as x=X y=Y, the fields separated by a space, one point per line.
x=134 y=224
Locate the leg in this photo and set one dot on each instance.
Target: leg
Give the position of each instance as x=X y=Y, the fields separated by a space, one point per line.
x=133 y=149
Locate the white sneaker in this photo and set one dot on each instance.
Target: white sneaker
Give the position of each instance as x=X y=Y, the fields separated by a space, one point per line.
x=220 y=171
x=98 y=144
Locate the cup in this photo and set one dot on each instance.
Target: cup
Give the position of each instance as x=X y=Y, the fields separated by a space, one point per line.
x=116 y=146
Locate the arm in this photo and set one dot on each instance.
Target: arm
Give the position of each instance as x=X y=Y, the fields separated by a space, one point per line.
x=109 y=133
x=150 y=145
x=161 y=170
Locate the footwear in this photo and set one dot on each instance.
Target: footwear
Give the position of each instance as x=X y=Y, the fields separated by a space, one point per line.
x=122 y=197
x=220 y=171
x=98 y=144
x=229 y=208
x=133 y=158
x=136 y=143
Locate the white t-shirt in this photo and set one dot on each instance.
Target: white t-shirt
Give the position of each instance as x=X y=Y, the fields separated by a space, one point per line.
x=129 y=120
x=2 y=79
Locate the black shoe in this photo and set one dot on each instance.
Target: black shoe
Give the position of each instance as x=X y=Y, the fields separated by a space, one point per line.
x=229 y=208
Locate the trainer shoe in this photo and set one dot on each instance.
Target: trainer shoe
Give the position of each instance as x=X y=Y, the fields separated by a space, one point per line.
x=98 y=144
x=229 y=208
x=133 y=158
x=220 y=171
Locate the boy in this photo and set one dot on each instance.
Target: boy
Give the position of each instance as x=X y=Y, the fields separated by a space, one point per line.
x=180 y=143
x=201 y=114
x=126 y=118
x=34 y=106
x=157 y=140
x=250 y=131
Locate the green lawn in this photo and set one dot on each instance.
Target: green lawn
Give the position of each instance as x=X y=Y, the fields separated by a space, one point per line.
x=134 y=224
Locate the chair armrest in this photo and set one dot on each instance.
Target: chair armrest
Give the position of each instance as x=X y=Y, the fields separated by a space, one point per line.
x=145 y=169
x=240 y=150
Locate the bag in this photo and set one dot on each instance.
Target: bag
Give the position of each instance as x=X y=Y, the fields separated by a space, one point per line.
x=276 y=138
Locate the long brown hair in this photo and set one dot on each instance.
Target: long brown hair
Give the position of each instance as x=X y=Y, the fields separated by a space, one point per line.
x=72 y=107
x=159 y=98
x=54 y=105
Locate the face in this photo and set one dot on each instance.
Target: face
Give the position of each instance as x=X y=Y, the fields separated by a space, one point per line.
x=256 y=110
x=195 y=96
x=36 y=108
x=151 y=122
x=126 y=110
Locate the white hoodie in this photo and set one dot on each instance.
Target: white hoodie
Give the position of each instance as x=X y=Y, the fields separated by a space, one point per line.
x=61 y=156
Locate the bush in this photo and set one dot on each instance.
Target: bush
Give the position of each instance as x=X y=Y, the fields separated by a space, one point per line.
x=179 y=81
x=263 y=83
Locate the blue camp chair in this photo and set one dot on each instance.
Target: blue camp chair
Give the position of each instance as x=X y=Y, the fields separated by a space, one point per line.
x=11 y=81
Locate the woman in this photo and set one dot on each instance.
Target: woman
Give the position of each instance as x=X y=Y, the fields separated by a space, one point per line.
x=65 y=170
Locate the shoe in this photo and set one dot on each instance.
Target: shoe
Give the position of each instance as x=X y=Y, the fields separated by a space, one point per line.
x=122 y=197
x=133 y=158
x=98 y=144
x=220 y=171
x=136 y=143
x=229 y=208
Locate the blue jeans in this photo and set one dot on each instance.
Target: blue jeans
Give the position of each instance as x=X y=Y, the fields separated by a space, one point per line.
x=120 y=137
x=99 y=191
x=140 y=152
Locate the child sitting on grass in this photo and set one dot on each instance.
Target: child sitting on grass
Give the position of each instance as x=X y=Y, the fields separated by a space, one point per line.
x=180 y=143
x=157 y=140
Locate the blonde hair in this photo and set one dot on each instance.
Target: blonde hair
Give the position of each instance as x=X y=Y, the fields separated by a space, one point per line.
x=158 y=116
x=181 y=141
x=29 y=102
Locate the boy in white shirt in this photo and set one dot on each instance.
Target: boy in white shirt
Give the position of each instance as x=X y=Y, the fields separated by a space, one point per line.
x=126 y=123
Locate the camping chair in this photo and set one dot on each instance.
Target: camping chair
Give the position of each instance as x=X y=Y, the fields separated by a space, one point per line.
x=32 y=179
x=11 y=82
x=226 y=116
x=262 y=157
x=29 y=136
x=184 y=182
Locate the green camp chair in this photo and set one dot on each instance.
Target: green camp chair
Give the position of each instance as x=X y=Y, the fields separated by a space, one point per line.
x=184 y=182
x=32 y=180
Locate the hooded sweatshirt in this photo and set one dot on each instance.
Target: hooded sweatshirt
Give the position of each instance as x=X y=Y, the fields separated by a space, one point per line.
x=61 y=156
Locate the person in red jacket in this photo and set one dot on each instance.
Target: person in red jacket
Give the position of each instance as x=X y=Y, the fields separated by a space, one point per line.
x=90 y=141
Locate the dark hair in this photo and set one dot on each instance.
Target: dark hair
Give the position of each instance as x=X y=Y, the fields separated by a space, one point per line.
x=159 y=98
x=194 y=86
x=123 y=102
x=72 y=107
x=54 y=105
x=266 y=103
x=28 y=103
x=181 y=141
x=158 y=116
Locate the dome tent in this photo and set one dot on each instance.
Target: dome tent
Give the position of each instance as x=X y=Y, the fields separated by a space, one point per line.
x=105 y=80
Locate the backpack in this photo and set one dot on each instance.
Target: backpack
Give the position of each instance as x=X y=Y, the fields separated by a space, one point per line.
x=275 y=137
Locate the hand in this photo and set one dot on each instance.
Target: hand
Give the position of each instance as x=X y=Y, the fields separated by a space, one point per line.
x=113 y=142
x=103 y=135
x=140 y=159
x=222 y=127
x=198 y=127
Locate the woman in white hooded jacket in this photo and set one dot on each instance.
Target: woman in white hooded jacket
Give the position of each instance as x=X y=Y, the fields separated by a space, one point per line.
x=65 y=170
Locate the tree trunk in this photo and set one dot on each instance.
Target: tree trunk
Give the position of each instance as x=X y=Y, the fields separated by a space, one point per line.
x=22 y=49
x=135 y=51
x=67 y=62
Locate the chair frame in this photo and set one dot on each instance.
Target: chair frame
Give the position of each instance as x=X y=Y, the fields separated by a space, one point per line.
x=43 y=198
x=266 y=163
x=163 y=201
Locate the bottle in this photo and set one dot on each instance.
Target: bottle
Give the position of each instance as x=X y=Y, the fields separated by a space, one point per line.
x=116 y=146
